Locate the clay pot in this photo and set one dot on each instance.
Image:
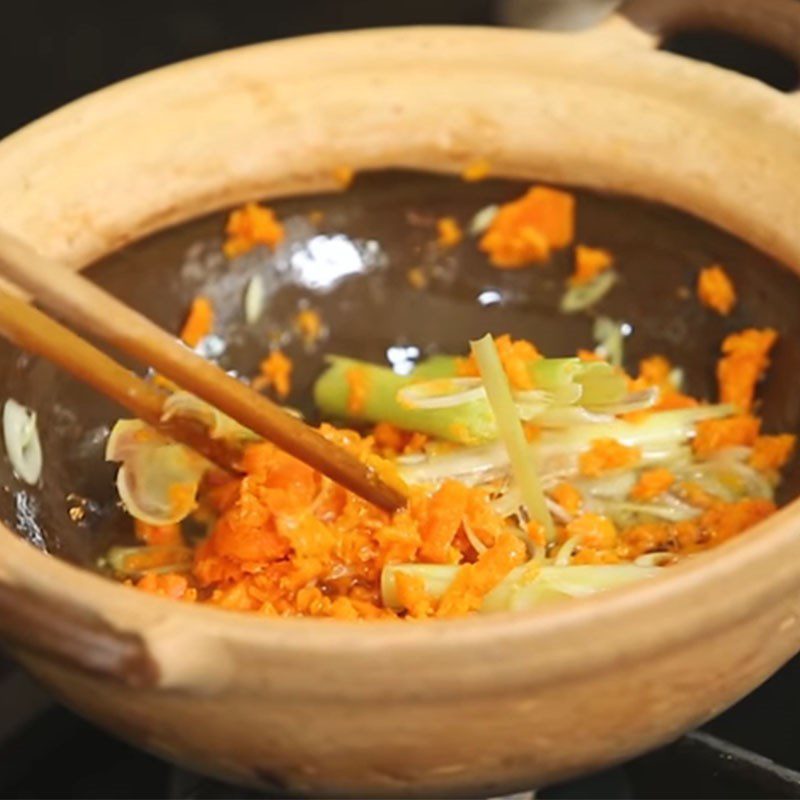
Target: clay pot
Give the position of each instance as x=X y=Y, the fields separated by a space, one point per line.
x=470 y=707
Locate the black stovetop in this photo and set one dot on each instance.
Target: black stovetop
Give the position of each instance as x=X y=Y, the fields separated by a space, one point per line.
x=751 y=751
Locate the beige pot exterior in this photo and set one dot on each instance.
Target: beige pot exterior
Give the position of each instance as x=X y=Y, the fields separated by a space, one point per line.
x=475 y=706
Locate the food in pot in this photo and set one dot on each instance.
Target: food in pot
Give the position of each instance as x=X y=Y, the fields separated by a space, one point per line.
x=531 y=478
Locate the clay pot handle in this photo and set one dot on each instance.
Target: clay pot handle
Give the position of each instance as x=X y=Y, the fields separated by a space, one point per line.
x=75 y=639
x=772 y=23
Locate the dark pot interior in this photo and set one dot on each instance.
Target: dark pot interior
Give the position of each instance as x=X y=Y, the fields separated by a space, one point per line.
x=352 y=267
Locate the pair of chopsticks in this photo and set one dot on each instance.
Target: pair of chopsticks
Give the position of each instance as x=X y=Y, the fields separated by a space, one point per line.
x=88 y=307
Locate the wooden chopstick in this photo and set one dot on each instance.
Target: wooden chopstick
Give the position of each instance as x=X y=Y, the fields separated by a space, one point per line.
x=31 y=330
x=90 y=308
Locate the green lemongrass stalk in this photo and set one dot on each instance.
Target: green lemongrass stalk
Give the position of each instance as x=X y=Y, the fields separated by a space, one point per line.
x=509 y=428
x=523 y=588
x=468 y=423
x=567 y=380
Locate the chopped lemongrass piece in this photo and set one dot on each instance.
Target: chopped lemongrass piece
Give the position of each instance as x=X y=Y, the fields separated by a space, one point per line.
x=610 y=336
x=510 y=431
x=441 y=393
x=522 y=588
x=254 y=296
x=585 y=295
x=483 y=219
x=21 y=438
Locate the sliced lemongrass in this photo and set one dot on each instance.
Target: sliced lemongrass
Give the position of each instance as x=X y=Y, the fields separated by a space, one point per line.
x=657 y=559
x=254 y=297
x=509 y=428
x=666 y=511
x=525 y=587
x=118 y=559
x=22 y=442
x=441 y=393
x=610 y=338
x=483 y=219
x=219 y=425
x=158 y=479
x=567 y=416
x=635 y=401
x=585 y=295
x=566 y=551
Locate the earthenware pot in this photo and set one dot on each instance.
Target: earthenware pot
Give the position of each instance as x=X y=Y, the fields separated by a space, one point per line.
x=471 y=707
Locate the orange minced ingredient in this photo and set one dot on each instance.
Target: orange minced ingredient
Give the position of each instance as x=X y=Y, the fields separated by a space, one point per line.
x=344 y=176
x=745 y=359
x=157 y=534
x=392 y=441
x=525 y=230
x=589 y=263
x=171 y=585
x=655 y=371
x=477 y=170
x=772 y=452
x=416 y=278
x=199 y=322
x=594 y=530
x=606 y=455
x=358 y=388
x=250 y=226
x=516 y=356
x=293 y=542
x=652 y=483
x=568 y=497
x=275 y=372
x=309 y=324
x=715 y=434
x=715 y=289
x=448 y=231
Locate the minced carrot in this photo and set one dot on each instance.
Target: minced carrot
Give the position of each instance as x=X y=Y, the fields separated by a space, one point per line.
x=715 y=289
x=474 y=581
x=449 y=233
x=568 y=497
x=524 y=230
x=344 y=176
x=652 y=483
x=594 y=530
x=170 y=585
x=476 y=170
x=445 y=514
x=309 y=324
x=516 y=355
x=249 y=226
x=772 y=452
x=199 y=322
x=589 y=263
x=715 y=434
x=357 y=390
x=745 y=358
x=275 y=372
x=416 y=278
x=589 y=355
x=158 y=534
x=606 y=455
x=412 y=595
x=391 y=440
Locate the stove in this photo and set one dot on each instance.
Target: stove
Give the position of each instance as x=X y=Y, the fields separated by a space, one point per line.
x=751 y=751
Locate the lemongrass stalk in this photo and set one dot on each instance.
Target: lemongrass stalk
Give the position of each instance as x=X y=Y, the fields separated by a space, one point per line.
x=523 y=588
x=661 y=436
x=469 y=423
x=509 y=428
